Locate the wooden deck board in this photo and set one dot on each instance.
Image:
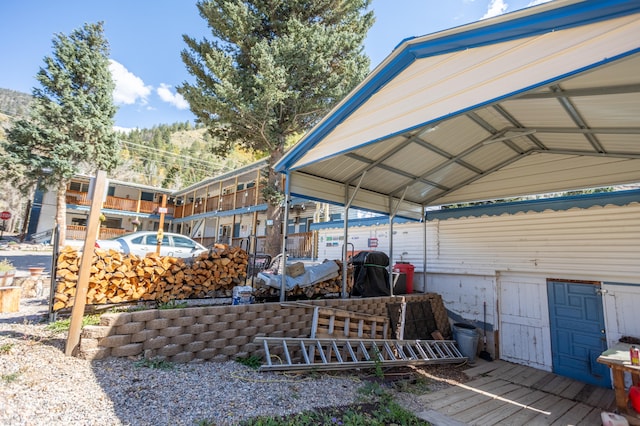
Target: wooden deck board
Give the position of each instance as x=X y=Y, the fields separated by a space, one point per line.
x=514 y=373
x=557 y=410
x=450 y=391
x=484 y=368
x=533 y=377
x=476 y=399
x=508 y=394
x=467 y=395
x=557 y=385
x=601 y=397
x=575 y=415
x=572 y=391
x=504 y=407
x=526 y=415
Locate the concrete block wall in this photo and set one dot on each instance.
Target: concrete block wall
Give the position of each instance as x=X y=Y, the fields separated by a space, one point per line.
x=217 y=333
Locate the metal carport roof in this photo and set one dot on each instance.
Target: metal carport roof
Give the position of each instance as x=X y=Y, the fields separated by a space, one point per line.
x=545 y=99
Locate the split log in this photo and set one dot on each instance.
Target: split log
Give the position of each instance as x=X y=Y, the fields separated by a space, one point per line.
x=117 y=278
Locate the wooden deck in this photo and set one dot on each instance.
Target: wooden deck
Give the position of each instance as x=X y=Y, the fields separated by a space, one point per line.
x=502 y=393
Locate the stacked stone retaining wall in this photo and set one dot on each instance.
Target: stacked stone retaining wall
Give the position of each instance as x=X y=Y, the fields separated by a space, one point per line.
x=220 y=333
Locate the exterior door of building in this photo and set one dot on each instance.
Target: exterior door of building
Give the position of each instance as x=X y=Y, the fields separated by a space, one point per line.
x=577 y=331
x=524 y=320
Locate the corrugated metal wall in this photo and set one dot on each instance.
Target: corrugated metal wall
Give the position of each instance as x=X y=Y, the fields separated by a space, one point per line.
x=599 y=243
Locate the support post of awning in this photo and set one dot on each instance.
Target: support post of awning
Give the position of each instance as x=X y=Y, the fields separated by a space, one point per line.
x=347 y=204
x=392 y=215
x=424 y=249
x=285 y=226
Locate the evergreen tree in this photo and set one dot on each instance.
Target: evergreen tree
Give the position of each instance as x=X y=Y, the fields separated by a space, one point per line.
x=71 y=119
x=272 y=69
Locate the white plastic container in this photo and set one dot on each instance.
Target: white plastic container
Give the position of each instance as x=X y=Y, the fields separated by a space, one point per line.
x=242 y=295
x=612 y=419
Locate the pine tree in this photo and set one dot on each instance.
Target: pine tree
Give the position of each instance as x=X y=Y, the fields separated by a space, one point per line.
x=272 y=69
x=71 y=118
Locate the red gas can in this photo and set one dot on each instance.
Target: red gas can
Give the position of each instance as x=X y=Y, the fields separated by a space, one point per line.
x=634 y=397
x=407 y=269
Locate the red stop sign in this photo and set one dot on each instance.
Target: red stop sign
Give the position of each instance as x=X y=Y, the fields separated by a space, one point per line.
x=5 y=215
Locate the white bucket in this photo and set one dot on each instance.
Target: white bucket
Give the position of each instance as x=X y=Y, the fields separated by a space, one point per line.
x=242 y=295
x=612 y=419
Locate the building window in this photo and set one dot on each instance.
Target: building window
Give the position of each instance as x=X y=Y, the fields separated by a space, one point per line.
x=79 y=186
x=146 y=196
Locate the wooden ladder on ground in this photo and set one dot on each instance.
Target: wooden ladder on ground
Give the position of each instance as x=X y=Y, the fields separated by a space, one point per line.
x=332 y=354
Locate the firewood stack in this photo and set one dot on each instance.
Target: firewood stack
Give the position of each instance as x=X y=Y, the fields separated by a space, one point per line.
x=331 y=287
x=117 y=278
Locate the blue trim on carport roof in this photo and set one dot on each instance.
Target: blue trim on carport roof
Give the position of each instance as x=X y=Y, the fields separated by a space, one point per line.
x=223 y=213
x=569 y=16
x=619 y=198
x=368 y=221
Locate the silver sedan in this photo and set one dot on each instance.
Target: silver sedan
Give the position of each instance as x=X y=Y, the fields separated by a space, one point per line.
x=144 y=242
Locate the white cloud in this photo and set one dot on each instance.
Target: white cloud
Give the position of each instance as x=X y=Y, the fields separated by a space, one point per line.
x=175 y=99
x=130 y=88
x=495 y=8
x=537 y=2
x=123 y=129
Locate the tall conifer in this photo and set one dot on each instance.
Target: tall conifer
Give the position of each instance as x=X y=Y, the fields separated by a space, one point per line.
x=270 y=71
x=70 y=128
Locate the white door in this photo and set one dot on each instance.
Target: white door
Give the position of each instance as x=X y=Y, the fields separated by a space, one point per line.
x=524 y=320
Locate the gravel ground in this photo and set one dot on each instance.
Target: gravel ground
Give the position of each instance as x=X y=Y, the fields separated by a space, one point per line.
x=39 y=385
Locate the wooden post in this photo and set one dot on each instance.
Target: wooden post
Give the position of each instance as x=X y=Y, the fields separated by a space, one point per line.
x=162 y=210
x=73 y=338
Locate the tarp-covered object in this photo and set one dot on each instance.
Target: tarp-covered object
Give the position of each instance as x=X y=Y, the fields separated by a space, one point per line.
x=312 y=275
x=371 y=274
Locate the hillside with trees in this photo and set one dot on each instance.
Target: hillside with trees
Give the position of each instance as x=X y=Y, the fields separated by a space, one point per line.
x=167 y=155
x=170 y=156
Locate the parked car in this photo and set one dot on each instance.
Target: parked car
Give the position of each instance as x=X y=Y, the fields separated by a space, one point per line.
x=141 y=243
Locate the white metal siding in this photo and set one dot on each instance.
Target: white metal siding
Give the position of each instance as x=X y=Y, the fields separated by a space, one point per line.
x=599 y=243
x=621 y=303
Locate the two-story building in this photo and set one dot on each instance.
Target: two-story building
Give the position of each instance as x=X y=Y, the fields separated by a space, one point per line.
x=228 y=208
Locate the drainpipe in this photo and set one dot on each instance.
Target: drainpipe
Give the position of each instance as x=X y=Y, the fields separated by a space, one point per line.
x=424 y=249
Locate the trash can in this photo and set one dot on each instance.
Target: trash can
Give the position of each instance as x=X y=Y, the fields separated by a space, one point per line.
x=406 y=268
x=467 y=337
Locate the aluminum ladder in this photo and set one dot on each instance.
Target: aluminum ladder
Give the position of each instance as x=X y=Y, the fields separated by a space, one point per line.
x=333 y=354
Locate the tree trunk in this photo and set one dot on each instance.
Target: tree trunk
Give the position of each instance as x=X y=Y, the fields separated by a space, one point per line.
x=273 y=240
x=61 y=211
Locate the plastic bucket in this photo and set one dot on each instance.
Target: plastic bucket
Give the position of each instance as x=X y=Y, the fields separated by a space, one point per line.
x=242 y=295
x=467 y=337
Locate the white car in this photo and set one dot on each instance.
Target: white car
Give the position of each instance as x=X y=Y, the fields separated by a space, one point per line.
x=141 y=243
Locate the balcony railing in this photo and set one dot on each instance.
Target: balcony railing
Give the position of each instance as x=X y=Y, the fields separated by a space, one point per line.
x=116 y=203
x=77 y=232
x=299 y=245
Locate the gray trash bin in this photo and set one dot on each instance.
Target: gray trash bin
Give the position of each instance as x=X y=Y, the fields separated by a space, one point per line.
x=467 y=337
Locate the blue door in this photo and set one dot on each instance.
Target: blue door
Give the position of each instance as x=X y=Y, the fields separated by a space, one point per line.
x=577 y=331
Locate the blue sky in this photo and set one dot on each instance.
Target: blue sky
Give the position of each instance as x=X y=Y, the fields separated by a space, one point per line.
x=145 y=37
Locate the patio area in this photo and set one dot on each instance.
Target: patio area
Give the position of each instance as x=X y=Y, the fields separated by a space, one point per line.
x=502 y=393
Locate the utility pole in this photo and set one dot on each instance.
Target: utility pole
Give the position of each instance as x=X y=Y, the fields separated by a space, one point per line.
x=162 y=210
x=73 y=338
